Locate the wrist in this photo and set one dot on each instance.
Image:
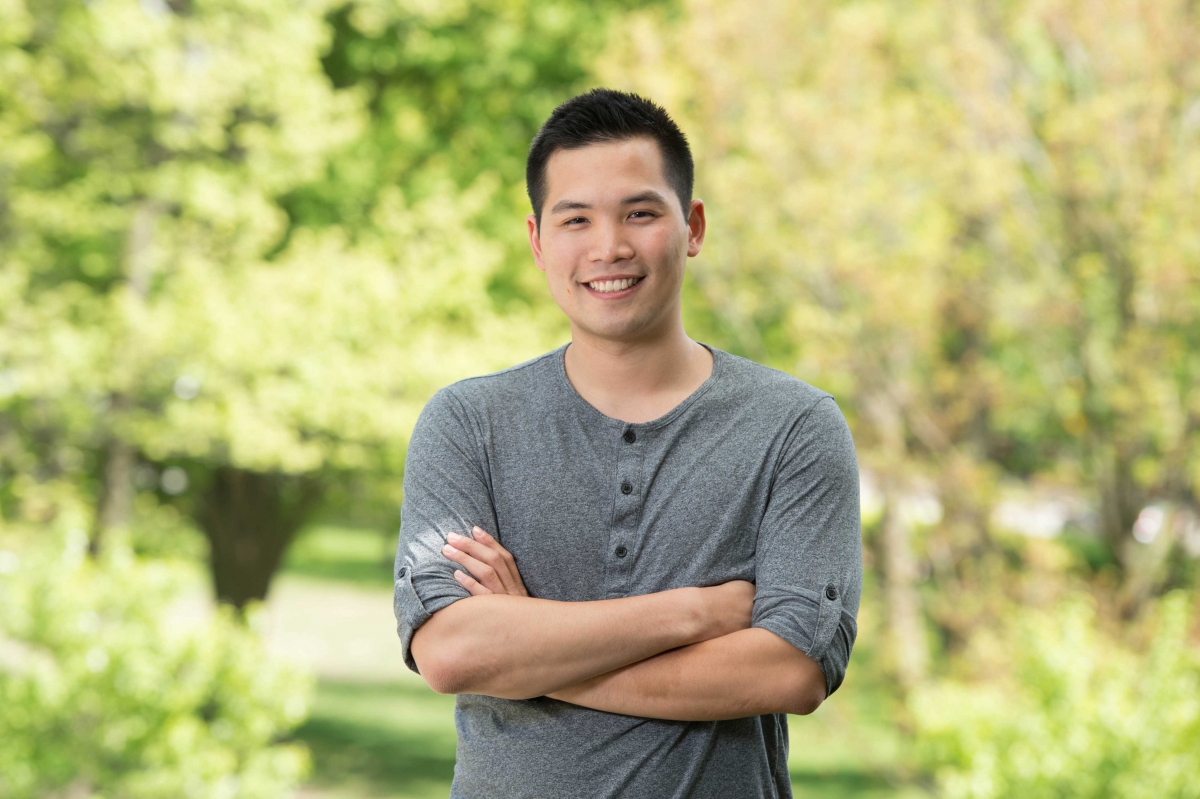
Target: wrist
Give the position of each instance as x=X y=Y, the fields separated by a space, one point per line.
x=697 y=618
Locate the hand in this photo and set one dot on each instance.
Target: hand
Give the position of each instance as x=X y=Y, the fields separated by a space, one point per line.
x=492 y=567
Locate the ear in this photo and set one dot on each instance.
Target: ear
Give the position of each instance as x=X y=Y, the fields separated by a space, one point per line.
x=535 y=241
x=696 y=227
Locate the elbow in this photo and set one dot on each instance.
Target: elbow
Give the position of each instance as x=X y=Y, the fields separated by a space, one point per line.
x=808 y=695
x=441 y=660
x=448 y=675
x=450 y=667
x=441 y=675
x=458 y=676
x=456 y=658
x=807 y=703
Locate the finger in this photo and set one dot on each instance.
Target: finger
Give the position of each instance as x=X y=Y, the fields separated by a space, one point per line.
x=480 y=571
x=470 y=583
x=487 y=555
x=485 y=538
x=516 y=583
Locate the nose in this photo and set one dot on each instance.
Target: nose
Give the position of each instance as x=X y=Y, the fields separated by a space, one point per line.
x=609 y=244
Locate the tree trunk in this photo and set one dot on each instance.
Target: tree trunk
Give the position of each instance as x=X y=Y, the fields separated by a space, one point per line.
x=115 y=506
x=250 y=518
x=905 y=628
x=1119 y=506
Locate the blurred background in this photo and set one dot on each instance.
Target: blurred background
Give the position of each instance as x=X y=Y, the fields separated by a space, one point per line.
x=242 y=242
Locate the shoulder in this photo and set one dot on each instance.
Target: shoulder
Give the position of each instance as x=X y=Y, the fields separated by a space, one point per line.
x=457 y=412
x=808 y=417
x=772 y=390
x=521 y=381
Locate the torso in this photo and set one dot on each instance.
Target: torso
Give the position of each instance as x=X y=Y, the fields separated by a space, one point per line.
x=698 y=479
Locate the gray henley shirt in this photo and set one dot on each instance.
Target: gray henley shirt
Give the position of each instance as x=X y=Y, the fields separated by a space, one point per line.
x=752 y=477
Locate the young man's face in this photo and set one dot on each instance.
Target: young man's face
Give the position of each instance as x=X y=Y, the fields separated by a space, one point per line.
x=613 y=240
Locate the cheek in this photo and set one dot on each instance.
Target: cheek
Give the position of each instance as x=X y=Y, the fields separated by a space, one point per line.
x=558 y=265
x=560 y=256
x=664 y=248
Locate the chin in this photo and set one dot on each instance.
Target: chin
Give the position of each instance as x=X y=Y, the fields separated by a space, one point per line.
x=614 y=330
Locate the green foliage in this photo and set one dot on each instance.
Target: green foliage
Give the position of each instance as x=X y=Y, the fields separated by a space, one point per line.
x=252 y=237
x=964 y=220
x=170 y=295
x=456 y=91
x=1060 y=709
x=110 y=690
x=262 y=233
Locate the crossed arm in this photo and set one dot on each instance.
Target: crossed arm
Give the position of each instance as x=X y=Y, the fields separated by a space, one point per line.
x=687 y=654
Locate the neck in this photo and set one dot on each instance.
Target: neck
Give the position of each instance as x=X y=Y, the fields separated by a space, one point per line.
x=638 y=380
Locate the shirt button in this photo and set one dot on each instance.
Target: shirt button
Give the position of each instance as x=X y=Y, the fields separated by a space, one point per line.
x=629 y=436
x=831 y=591
x=621 y=552
x=626 y=488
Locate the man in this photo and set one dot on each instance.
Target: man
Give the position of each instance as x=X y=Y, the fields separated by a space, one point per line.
x=632 y=556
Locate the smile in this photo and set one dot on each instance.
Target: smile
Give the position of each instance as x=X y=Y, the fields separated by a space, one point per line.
x=613 y=287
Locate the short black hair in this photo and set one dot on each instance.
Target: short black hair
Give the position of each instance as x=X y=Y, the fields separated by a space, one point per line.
x=607 y=115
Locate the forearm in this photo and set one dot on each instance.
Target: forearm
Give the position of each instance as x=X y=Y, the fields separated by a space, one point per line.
x=518 y=647
x=745 y=673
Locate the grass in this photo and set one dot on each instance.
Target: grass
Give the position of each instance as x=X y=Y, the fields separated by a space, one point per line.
x=395 y=738
x=359 y=557
x=380 y=740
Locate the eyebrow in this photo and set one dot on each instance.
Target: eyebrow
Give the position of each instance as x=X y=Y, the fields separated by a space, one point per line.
x=648 y=196
x=568 y=205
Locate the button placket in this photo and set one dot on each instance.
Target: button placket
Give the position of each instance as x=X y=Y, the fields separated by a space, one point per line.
x=628 y=499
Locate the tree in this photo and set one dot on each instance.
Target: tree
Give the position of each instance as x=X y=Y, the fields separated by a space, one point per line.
x=923 y=210
x=152 y=141
x=239 y=245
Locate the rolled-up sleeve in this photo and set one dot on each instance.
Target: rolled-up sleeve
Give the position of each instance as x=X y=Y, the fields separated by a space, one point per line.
x=446 y=490
x=808 y=563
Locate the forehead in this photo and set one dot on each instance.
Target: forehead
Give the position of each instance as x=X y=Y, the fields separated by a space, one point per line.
x=605 y=170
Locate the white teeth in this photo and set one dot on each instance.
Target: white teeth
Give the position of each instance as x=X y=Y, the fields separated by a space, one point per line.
x=613 y=285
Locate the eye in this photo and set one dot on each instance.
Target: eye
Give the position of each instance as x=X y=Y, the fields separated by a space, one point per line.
x=574 y=220
x=645 y=215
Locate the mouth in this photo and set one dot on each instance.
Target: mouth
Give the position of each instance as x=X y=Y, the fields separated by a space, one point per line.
x=615 y=288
